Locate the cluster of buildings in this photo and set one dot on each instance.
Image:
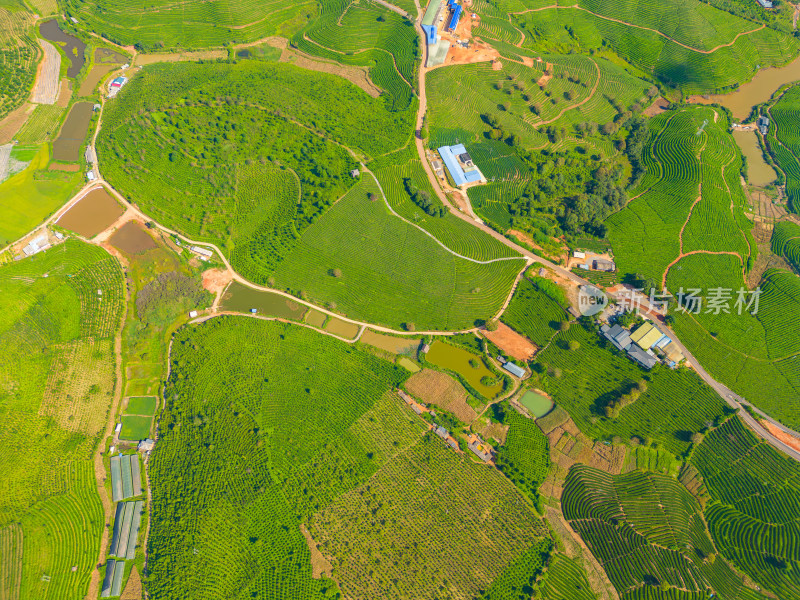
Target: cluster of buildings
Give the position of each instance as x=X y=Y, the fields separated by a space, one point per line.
x=116 y=85
x=437 y=13
x=763 y=123
x=460 y=165
x=594 y=264
x=646 y=344
x=36 y=245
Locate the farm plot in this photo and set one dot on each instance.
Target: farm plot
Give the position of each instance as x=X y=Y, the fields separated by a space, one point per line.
x=396 y=345
x=755 y=515
x=435 y=387
x=47 y=82
x=360 y=258
x=786 y=242
x=533 y=313
x=646 y=529
x=41 y=126
x=54 y=327
x=18 y=56
x=524 y=457
x=194 y=24
x=753 y=354
x=566 y=580
x=783 y=141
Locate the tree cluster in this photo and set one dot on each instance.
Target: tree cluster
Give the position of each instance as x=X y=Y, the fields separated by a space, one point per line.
x=423 y=199
x=613 y=408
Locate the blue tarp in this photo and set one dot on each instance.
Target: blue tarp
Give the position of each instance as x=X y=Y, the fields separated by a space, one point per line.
x=430 y=34
x=448 y=154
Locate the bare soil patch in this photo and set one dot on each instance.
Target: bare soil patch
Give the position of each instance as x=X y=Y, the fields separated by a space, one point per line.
x=356 y=75
x=660 y=105
x=65 y=93
x=434 y=387
x=494 y=431
x=45 y=90
x=132 y=238
x=511 y=343
x=319 y=564
x=72 y=168
x=133 y=589
x=10 y=125
x=548 y=75
x=216 y=280
x=497 y=65
x=93 y=213
x=790 y=440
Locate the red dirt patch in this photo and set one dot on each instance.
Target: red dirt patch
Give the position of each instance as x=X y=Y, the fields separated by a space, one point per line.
x=433 y=387
x=790 y=440
x=660 y=105
x=497 y=65
x=216 y=280
x=510 y=342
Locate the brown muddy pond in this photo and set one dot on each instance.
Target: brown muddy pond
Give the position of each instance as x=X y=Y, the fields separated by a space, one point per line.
x=67 y=147
x=89 y=85
x=131 y=238
x=72 y=46
x=758 y=170
x=240 y=298
x=758 y=90
x=93 y=213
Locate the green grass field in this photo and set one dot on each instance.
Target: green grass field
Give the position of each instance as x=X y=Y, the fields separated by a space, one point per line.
x=382 y=259
x=55 y=392
x=755 y=515
x=29 y=197
x=317 y=439
x=647 y=530
x=141 y=405
x=135 y=428
x=192 y=25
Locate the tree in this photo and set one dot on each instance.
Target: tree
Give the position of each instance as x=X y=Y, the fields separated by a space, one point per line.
x=697 y=437
x=573 y=345
x=563 y=325
x=371 y=197
x=336 y=273
x=491 y=325
x=410 y=327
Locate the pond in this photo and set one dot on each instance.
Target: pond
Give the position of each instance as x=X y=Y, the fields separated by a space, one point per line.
x=458 y=360
x=758 y=170
x=536 y=403
x=240 y=298
x=131 y=238
x=67 y=146
x=72 y=46
x=93 y=213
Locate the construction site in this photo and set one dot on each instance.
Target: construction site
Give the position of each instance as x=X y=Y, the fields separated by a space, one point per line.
x=447 y=26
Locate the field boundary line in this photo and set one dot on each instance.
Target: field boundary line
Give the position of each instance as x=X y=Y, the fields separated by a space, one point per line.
x=433 y=237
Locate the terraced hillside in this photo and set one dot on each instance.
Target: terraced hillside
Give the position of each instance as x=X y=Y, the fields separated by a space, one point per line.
x=193 y=24
x=784 y=142
x=56 y=385
x=786 y=243
x=316 y=443
x=690 y=45
x=754 y=518
x=647 y=531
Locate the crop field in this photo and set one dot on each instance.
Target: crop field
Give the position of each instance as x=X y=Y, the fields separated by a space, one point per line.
x=533 y=313
x=271 y=178
x=54 y=327
x=752 y=354
x=519 y=578
x=645 y=529
x=689 y=45
x=19 y=54
x=691 y=189
x=41 y=125
x=378 y=258
x=786 y=243
x=435 y=387
x=29 y=197
x=784 y=142
x=367 y=34
x=525 y=456
x=755 y=516
x=585 y=380
x=192 y=25
x=393 y=170
x=312 y=442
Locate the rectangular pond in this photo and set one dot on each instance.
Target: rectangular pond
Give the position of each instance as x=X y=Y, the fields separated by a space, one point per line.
x=93 y=213
x=537 y=404
x=240 y=298
x=67 y=146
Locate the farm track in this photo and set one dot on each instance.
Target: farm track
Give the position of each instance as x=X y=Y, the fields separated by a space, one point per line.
x=656 y=31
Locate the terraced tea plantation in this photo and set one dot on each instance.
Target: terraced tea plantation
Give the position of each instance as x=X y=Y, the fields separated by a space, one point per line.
x=755 y=517
x=647 y=531
x=319 y=441
x=57 y=373
x=19 y=53
x=784 y=142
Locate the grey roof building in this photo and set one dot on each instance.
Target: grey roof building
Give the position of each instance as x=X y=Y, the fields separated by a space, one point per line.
x=441 y=432
x=617 y=335
x=645 y=359
x=515 y=370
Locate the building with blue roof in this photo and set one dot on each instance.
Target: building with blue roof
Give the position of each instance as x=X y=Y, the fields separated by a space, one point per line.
x=456 y=14
x=460 y=166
